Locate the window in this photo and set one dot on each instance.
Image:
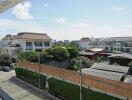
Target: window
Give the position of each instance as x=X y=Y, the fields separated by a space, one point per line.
x=38 y=44
x=28 y=43
x=47 y=43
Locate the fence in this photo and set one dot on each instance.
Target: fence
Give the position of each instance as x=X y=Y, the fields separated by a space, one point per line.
x=106 y=85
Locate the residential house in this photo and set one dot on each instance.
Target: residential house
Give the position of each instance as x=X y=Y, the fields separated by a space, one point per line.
x=25 y=42
x=122 y=59
x=94 y=52
x=112 y=44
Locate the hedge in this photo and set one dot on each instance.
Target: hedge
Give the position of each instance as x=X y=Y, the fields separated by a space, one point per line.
x=71 y=92
x=31 y=77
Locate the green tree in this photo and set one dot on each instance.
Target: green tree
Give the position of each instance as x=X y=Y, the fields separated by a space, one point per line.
x=32 y=56
x=74 y=52
x=86 y=63
x=46 y=56
x=22 y=56
x=4 y=60
x=60 y=54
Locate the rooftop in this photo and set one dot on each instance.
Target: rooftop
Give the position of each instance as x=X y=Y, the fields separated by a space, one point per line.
x=118 y=39
x=104 y=74
x=27 y=35
x=86 y=39
x=111 y=68
x=121 y=55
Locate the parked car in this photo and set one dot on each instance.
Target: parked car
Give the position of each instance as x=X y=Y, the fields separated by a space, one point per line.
x=6 y=69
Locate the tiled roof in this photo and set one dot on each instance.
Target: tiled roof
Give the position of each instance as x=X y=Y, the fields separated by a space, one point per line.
x=27 y=35
x=85 y=39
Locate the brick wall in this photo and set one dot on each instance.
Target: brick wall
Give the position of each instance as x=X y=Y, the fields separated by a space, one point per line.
x=106 y=85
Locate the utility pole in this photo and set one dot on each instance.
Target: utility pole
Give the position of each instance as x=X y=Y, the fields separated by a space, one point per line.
x=39 y=67
x=81 y=79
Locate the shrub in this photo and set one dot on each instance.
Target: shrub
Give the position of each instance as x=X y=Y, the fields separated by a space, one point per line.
x=32 y=56
x=75 y=63
x=46 y=56
x=31 y=77
x=5 y=60
x=22 y=55
x=72 y=92
x=86 y=63
x=73 y=52
x=60 y=54
x=29 y=56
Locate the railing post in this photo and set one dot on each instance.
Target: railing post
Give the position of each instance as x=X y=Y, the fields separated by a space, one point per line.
x=39 y=68
x=80 y=79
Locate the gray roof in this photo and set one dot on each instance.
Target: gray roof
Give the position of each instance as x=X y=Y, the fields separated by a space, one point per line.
x=118 y=39
x=103 y=74
x=122 y=55
x=128 y=79
x=2 y=43
x=86 y=53
x=110 y=68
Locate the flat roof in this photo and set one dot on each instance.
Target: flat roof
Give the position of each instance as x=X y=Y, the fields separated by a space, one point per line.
x=104 y=74
x=122 y=55
x=111 y=68
x=86 y=53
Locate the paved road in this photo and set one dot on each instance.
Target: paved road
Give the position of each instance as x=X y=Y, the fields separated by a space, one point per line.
x=17 y=89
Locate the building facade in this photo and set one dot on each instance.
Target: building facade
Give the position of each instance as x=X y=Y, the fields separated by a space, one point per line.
x=112 y=44
x=25 y=42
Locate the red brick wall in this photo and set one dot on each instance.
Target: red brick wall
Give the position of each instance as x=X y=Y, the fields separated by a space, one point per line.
x=107 y=85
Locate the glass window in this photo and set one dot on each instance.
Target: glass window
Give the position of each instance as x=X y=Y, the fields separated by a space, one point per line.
x=38 y=44
x=47 y=43
x=28 y=43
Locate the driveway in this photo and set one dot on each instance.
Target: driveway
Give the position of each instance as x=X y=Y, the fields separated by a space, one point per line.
x=19 y=90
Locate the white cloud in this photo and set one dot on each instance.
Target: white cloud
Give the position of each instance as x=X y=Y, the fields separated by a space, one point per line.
x=21 y=11
x=60 y=20
x=71 y=32
x=45 y=5
x=80 y=25
x=117 y=9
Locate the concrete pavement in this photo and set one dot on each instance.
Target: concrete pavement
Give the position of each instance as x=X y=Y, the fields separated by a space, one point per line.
x=19 y=90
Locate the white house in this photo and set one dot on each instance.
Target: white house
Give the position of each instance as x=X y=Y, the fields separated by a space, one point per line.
x=87 y=43
x=25 y=42
x=111 y=44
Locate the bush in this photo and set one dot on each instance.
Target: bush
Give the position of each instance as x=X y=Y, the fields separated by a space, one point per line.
x=73 y=52
x=46 y=56
x=86 y=63
x=31 y=77
x=72 y=92
x=29 y=56
x=5 y=60
x=60 y=54
x=75 y=63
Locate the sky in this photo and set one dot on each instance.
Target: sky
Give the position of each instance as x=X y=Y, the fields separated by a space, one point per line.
x=69 y=19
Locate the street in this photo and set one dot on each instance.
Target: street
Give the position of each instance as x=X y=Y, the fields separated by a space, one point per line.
x=17 y=89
